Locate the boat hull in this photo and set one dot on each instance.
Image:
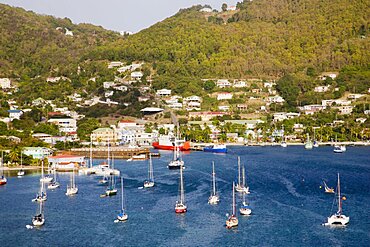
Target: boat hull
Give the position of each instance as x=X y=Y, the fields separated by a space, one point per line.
x=213 y=200
x=232 y=221
x=180 y=209
x=245 y=211
x=184 y=147
x=148 y=184
x=3 y=181
x=71 y=191
x=38 y=222
x=111 y=192
x=337 y=220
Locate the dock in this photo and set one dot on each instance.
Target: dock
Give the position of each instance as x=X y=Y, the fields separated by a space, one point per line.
x=116 y=152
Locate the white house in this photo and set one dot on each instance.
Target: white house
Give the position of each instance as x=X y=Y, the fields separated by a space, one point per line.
x=239 y=84
x=268 y=84
x=224 y=96
x=330 y=102
x=275 y=99
x=355 y=96
x=345 y=110
x=121 y=88
x=311 y=109
x=15 y=114
x=163 y=92
x=108 y=94
x=206 y=10
x=37 y=152
x=222 y=83
x=176 y=105
x=108 y=84
x=114 y=64
x=321 y=89
x=325 y=75
x=126 y=123
x=5 y=83
x=66 y=125
x=224 y=107
x=137 y=75
x=68 y=32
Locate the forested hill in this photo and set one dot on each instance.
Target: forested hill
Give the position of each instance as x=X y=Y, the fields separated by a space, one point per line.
x=32 y=45
x=261 y=37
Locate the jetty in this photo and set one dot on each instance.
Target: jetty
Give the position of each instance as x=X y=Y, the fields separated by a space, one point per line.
x=117 y=152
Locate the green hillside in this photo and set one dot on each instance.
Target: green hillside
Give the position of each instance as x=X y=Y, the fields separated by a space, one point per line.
x=263 y=38
x=32 y=45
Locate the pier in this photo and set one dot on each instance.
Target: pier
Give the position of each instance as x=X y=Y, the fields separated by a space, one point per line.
x=116 y=152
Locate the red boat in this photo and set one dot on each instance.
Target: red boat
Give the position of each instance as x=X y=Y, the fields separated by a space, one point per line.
x=3 y=180
x=169 y=142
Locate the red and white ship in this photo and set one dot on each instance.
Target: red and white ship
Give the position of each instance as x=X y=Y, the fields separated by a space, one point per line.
x=168 y=142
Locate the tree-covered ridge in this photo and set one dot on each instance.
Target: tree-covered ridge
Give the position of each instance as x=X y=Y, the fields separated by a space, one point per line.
x=263 y=38
x=32 y=45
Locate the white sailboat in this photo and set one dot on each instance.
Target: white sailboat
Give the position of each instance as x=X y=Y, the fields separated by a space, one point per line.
x=48 y=178
x=41 y=195
x=122 y=216
x=177 y=162
x=245 y=209
x=3 y=179
x=338 y=218
x=214 y=198
x=72 y=189
x=315 y=143
x=232 y=220
x=150 y=182
x=111 y=190
x=39 y=219
x=21 y=172
x=180 y=206
x=308 y=144
x=283 y=142
x=241 y=186
x=54 y=184
x=339 y=148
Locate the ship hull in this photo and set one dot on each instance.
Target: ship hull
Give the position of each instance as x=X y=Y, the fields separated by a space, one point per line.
x=156 y=145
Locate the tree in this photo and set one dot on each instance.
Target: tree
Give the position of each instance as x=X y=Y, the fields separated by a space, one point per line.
x=209 y=86
x=224 y=7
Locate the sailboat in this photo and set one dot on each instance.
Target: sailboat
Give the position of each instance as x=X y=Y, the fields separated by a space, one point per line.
x=315 y=143
x=214 y=198
x=283 y=142
x=180 y=206
x=122 y=216
x=327 y=189
x=232 y=220
x=240 y=187
x=21 y=172
x=72 y=189
x=39 y=219
x=177 y=162
x=41 y=195
x=245 y=209
x=338 y=218
x=47 y=178
x=54 y=184
x=3 y=179
x=150 y=182
x=339 y=148
x=111 y=190
x=308 y=144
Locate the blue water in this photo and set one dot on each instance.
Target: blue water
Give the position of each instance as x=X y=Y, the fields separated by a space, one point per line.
x=287 y=202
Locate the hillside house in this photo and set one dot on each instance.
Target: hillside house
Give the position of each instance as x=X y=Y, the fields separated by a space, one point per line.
x=275 y=99
x=137 y=75
x=5 y=83
x=114 y=64
x=37 y=152
x=311 y=109
x=206 y=116
x=345 y=110
x=355 y=96
x=222 y=83
x=224 y=96
x=331 y=75
x=239 y=84
x=224 y=107
x=65 y=125
x=330 y=102
x=103 y=137
x=15 y=114
x=321 y=89
x=163 y=92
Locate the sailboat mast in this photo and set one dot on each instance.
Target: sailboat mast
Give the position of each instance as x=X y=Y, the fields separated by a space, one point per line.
x=339 y=199
x=42 y=167
x=234 y=209
x=91 y=152
x=151 y=177
x=238 y=170
x=182 y=199
x=243 y=172
x=122 y=193
x=108 y=154
x=213 y=178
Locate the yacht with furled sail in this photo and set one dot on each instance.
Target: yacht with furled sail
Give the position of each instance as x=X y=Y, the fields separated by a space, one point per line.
x=283 y=142
x=180 y=206
x=241 y=186
x=3 y=179
x=39 y=219
x=72 y=189
x=315 y=142
x=177 y=162
x=41 y=195
x=308 y=144
x=45 y=178
x=245 y=209
x=54 y=184
x=122 y=216
x=338 y=218
x=232 y=220
x=214 y=198
x=21 y=172
x=150 y=182
x=111 y=190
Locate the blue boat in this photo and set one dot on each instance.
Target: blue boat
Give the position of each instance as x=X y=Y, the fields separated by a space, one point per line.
x=217 y=148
